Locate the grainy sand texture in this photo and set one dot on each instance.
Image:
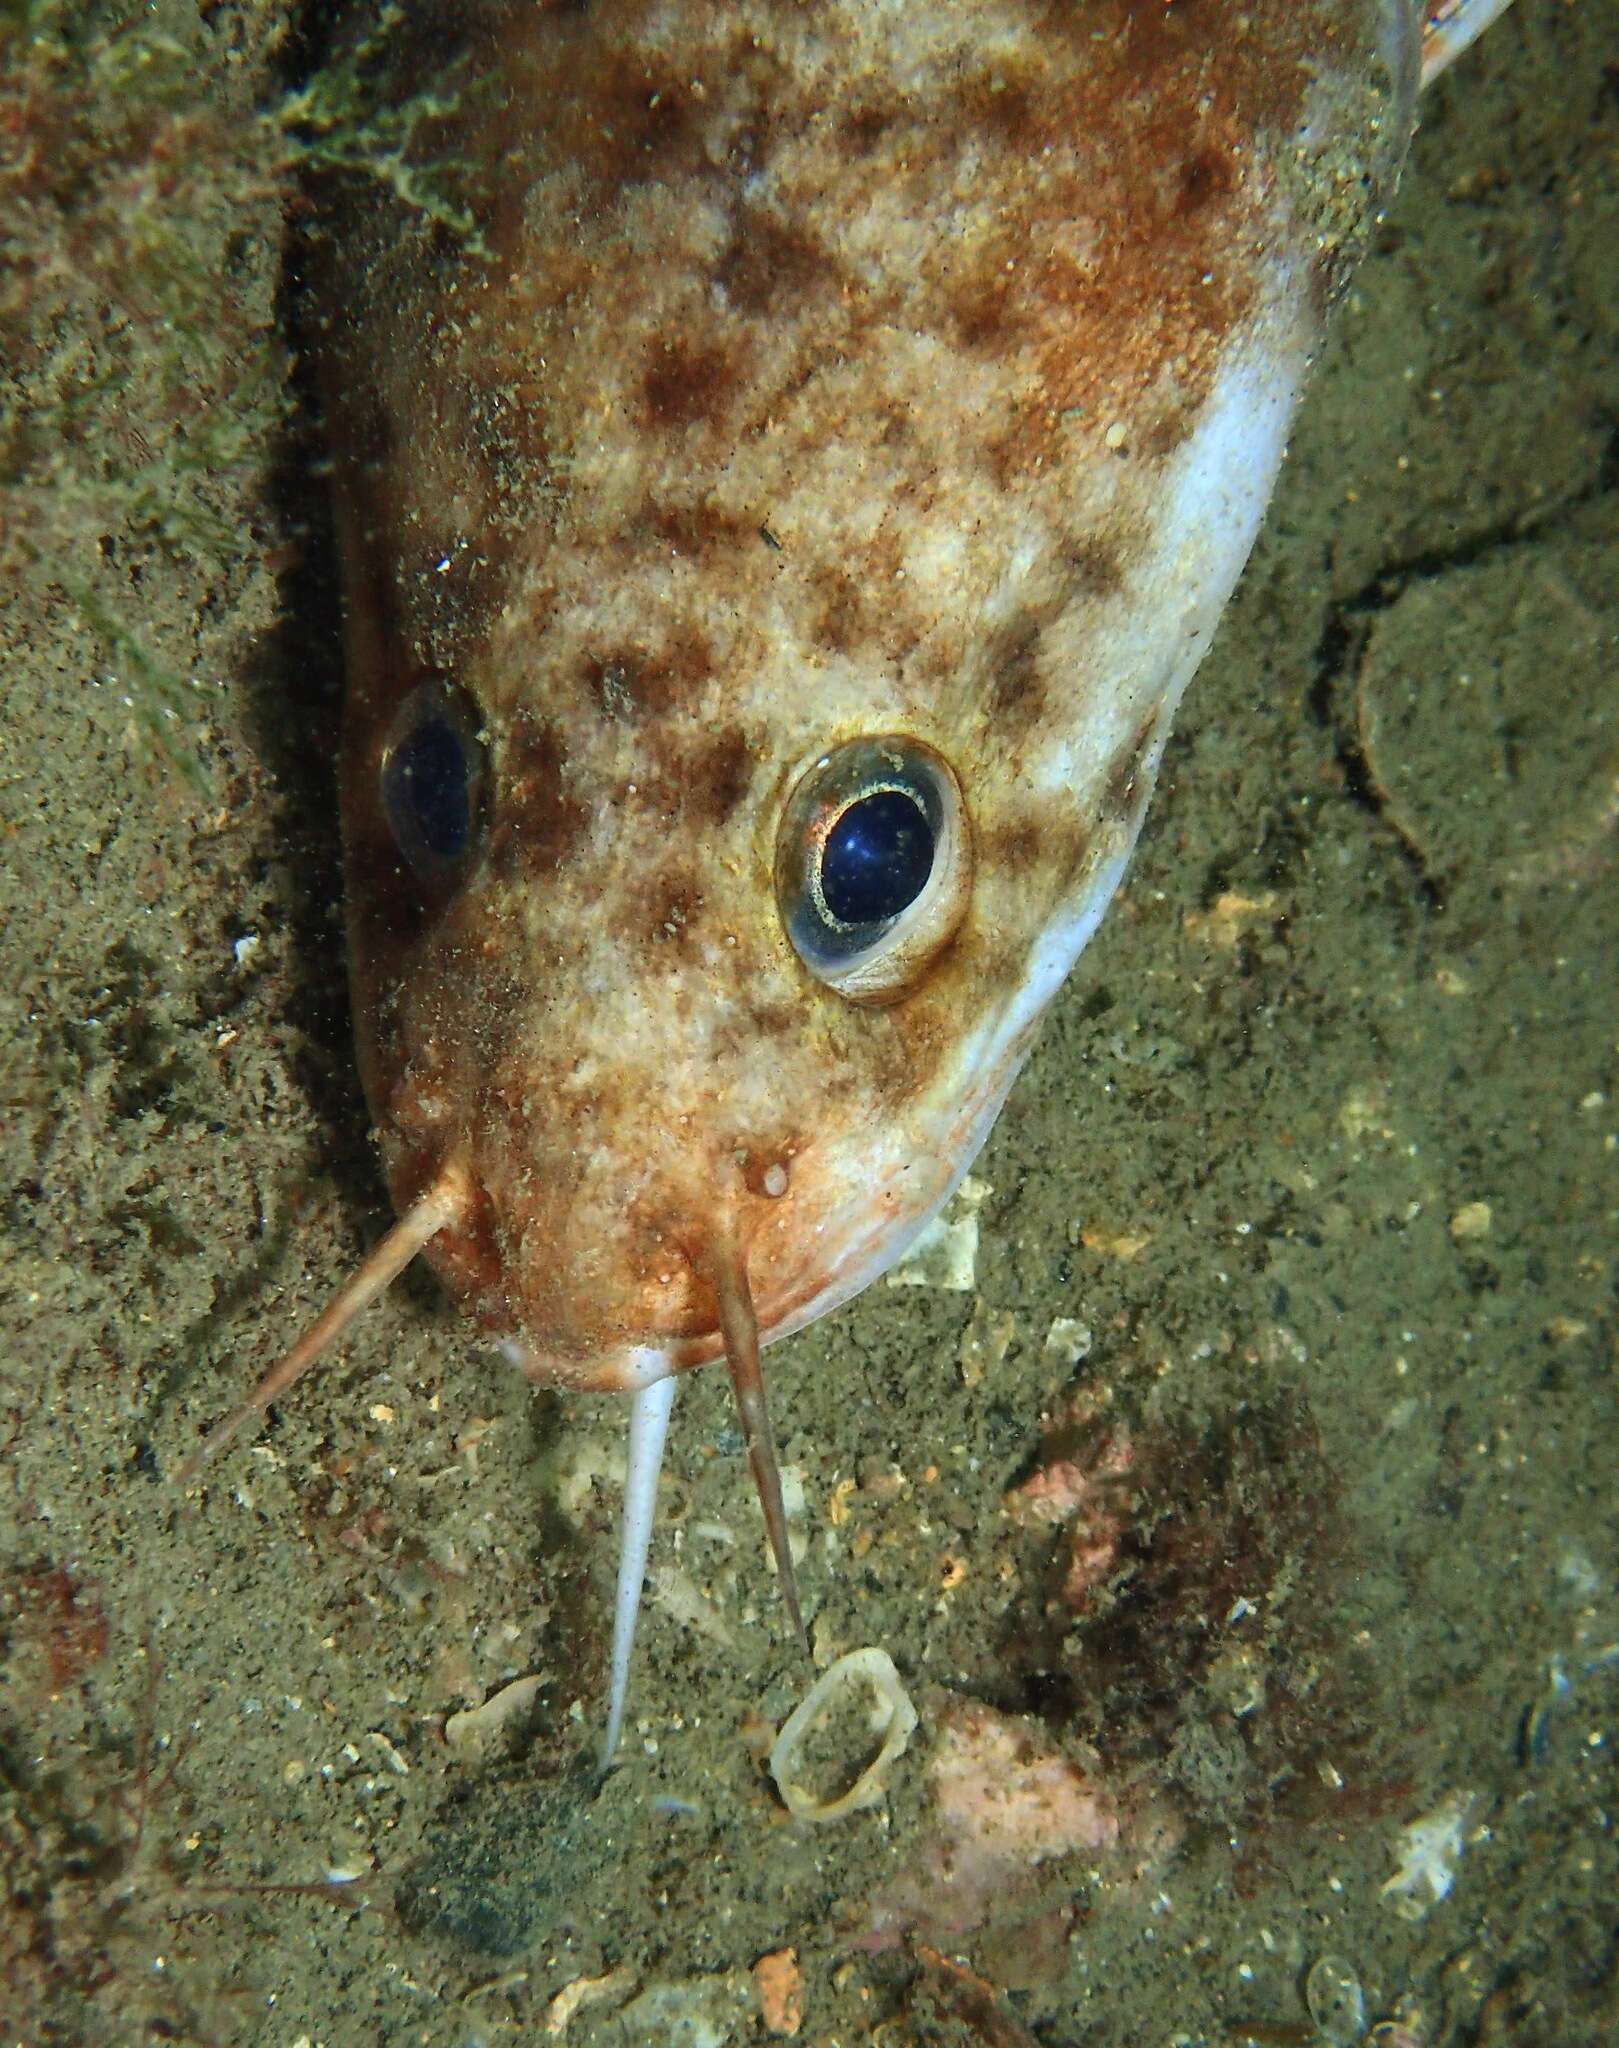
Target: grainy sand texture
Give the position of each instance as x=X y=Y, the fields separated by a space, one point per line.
x=1243 y=1530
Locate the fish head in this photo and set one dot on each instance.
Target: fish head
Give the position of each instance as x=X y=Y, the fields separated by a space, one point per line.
x=773 y=561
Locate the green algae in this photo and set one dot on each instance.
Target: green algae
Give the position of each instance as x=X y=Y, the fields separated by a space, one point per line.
x=145 y=171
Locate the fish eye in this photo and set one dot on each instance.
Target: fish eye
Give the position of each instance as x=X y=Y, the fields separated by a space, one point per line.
x=874 y=866
x=432 y=782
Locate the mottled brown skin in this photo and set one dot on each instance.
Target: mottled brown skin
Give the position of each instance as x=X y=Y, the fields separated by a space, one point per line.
x=825 y=379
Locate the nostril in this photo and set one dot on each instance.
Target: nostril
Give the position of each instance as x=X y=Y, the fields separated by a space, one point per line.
x=766 y=1166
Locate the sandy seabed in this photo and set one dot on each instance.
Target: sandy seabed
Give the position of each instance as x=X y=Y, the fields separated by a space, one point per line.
x=1319 y=1151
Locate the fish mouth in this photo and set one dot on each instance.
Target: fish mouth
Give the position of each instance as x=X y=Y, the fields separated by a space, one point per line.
x=814 y=1250
x=839 y=1222
x=622 y=1369
x=807 y=1253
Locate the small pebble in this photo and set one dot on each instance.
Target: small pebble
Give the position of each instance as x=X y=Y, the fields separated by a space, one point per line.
x=780 y=1985
x=1470 y=1221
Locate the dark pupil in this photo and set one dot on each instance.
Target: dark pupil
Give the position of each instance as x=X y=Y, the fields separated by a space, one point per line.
x=428 y=786
x=877 y=858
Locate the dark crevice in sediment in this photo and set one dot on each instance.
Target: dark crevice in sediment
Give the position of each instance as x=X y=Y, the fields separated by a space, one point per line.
x=1340 y=652
x=1346 y=634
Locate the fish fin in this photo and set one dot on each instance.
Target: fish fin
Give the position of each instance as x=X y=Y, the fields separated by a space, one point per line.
x=740 y=1328
x=441 y=1205
x=649 y=1424
x=1451 y=26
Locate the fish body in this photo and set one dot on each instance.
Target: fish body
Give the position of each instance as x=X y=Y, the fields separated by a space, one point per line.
x=775 y=541
x=831 y=375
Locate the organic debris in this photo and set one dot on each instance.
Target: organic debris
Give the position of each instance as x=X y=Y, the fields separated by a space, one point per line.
x=780 y=1985
x=837 y=1747
x=1007 y=1800
x=477 y=1729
